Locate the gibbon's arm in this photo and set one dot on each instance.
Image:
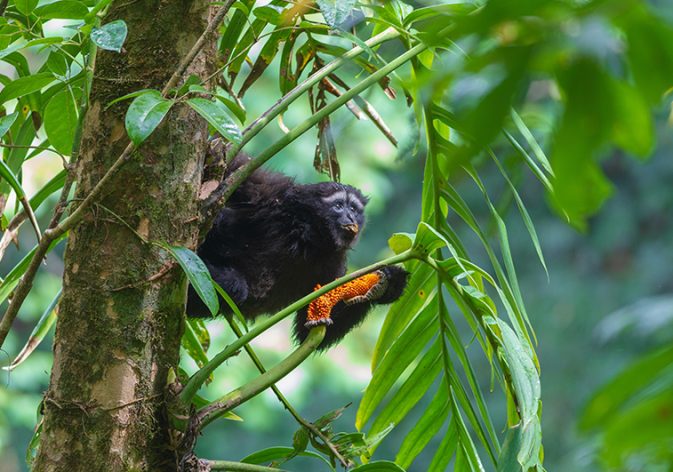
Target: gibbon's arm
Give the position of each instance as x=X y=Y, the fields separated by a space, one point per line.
x=346 y=306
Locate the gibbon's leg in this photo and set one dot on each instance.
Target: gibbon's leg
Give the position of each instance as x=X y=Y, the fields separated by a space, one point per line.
x=231 y=280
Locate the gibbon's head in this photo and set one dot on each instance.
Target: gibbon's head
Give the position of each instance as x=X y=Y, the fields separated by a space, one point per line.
x=341 y=207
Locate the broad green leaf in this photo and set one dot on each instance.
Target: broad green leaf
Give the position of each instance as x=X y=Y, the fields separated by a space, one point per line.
x=25 y=6
x=336 y=12
x=25 y=85
x=198 y=275
x=633 y=128
x=110 y=36
x=144 y=115
x=379 y=466
x=217 y=114
x=60 y=121
x=426 y=428
x=66 y=9
x=6 y=122
x=37 y=335
x=398 y=358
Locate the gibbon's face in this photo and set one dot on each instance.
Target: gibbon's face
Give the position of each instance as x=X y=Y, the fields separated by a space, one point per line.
x=344 y=207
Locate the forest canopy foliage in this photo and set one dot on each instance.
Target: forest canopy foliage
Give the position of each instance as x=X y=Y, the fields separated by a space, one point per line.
x=548 y=87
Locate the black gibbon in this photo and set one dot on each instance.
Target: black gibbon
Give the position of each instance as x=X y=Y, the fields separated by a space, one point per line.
x=275 y=240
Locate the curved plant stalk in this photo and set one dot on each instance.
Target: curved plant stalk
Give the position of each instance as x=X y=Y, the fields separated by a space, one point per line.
x=195 y=382
x=281 y=398
x=242 y=394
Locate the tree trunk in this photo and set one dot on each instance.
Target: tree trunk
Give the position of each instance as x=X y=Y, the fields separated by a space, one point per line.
x=121 y=315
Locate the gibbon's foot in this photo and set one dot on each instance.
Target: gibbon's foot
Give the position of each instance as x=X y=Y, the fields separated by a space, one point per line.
x=320 y=309
x=375 y=291
x=322 y=321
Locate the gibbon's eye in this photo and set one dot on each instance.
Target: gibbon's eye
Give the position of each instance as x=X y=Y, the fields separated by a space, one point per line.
x=353 y=209
x=338 y=205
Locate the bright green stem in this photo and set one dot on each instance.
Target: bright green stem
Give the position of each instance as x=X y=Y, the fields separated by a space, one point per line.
x=282 y=104
x=261 y=383
x=243 y=172
x=195 y=382
x=240 y=467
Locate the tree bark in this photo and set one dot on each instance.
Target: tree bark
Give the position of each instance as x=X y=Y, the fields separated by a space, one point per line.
x=121 y=315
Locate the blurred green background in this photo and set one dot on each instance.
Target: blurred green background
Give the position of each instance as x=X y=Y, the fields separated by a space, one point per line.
x=624 y=258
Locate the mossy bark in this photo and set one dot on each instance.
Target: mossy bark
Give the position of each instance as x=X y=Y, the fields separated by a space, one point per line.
x=121 y=315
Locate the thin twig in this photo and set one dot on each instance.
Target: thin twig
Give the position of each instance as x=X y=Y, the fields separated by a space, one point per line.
x=39 y=148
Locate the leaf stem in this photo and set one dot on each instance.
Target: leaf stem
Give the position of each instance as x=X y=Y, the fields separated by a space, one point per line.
x=281 y=398
x=195 y=382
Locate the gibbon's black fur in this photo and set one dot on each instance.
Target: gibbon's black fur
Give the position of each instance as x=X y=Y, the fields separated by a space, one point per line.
x=275 y=240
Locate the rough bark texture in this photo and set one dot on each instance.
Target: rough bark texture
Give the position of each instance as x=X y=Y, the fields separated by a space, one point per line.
x=121 y=314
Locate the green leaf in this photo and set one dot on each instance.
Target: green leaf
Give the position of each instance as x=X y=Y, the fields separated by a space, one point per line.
x=127 y=96
x=446 y=449
x=7 y=174
x=191 y=343
x=66 y=9
x=336 y=12
x=276 y=453
x=398 y=358
x=217 y=114
x=37 y=335
x=25 y=85
x=110 y=36
x=426 y=428
x=47 y=189
x=12 y=279
x=379 y=466
x=144 y=115
x=198 y=275
x=6 y=122
x=60 y=121
x=420 y=289
x=627 y=385
x=428 y=239
x=411 y=391
x=400 y=242
x=25 y=6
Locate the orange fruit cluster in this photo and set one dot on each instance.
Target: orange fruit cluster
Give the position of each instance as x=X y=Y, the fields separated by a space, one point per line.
x=321 y=308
